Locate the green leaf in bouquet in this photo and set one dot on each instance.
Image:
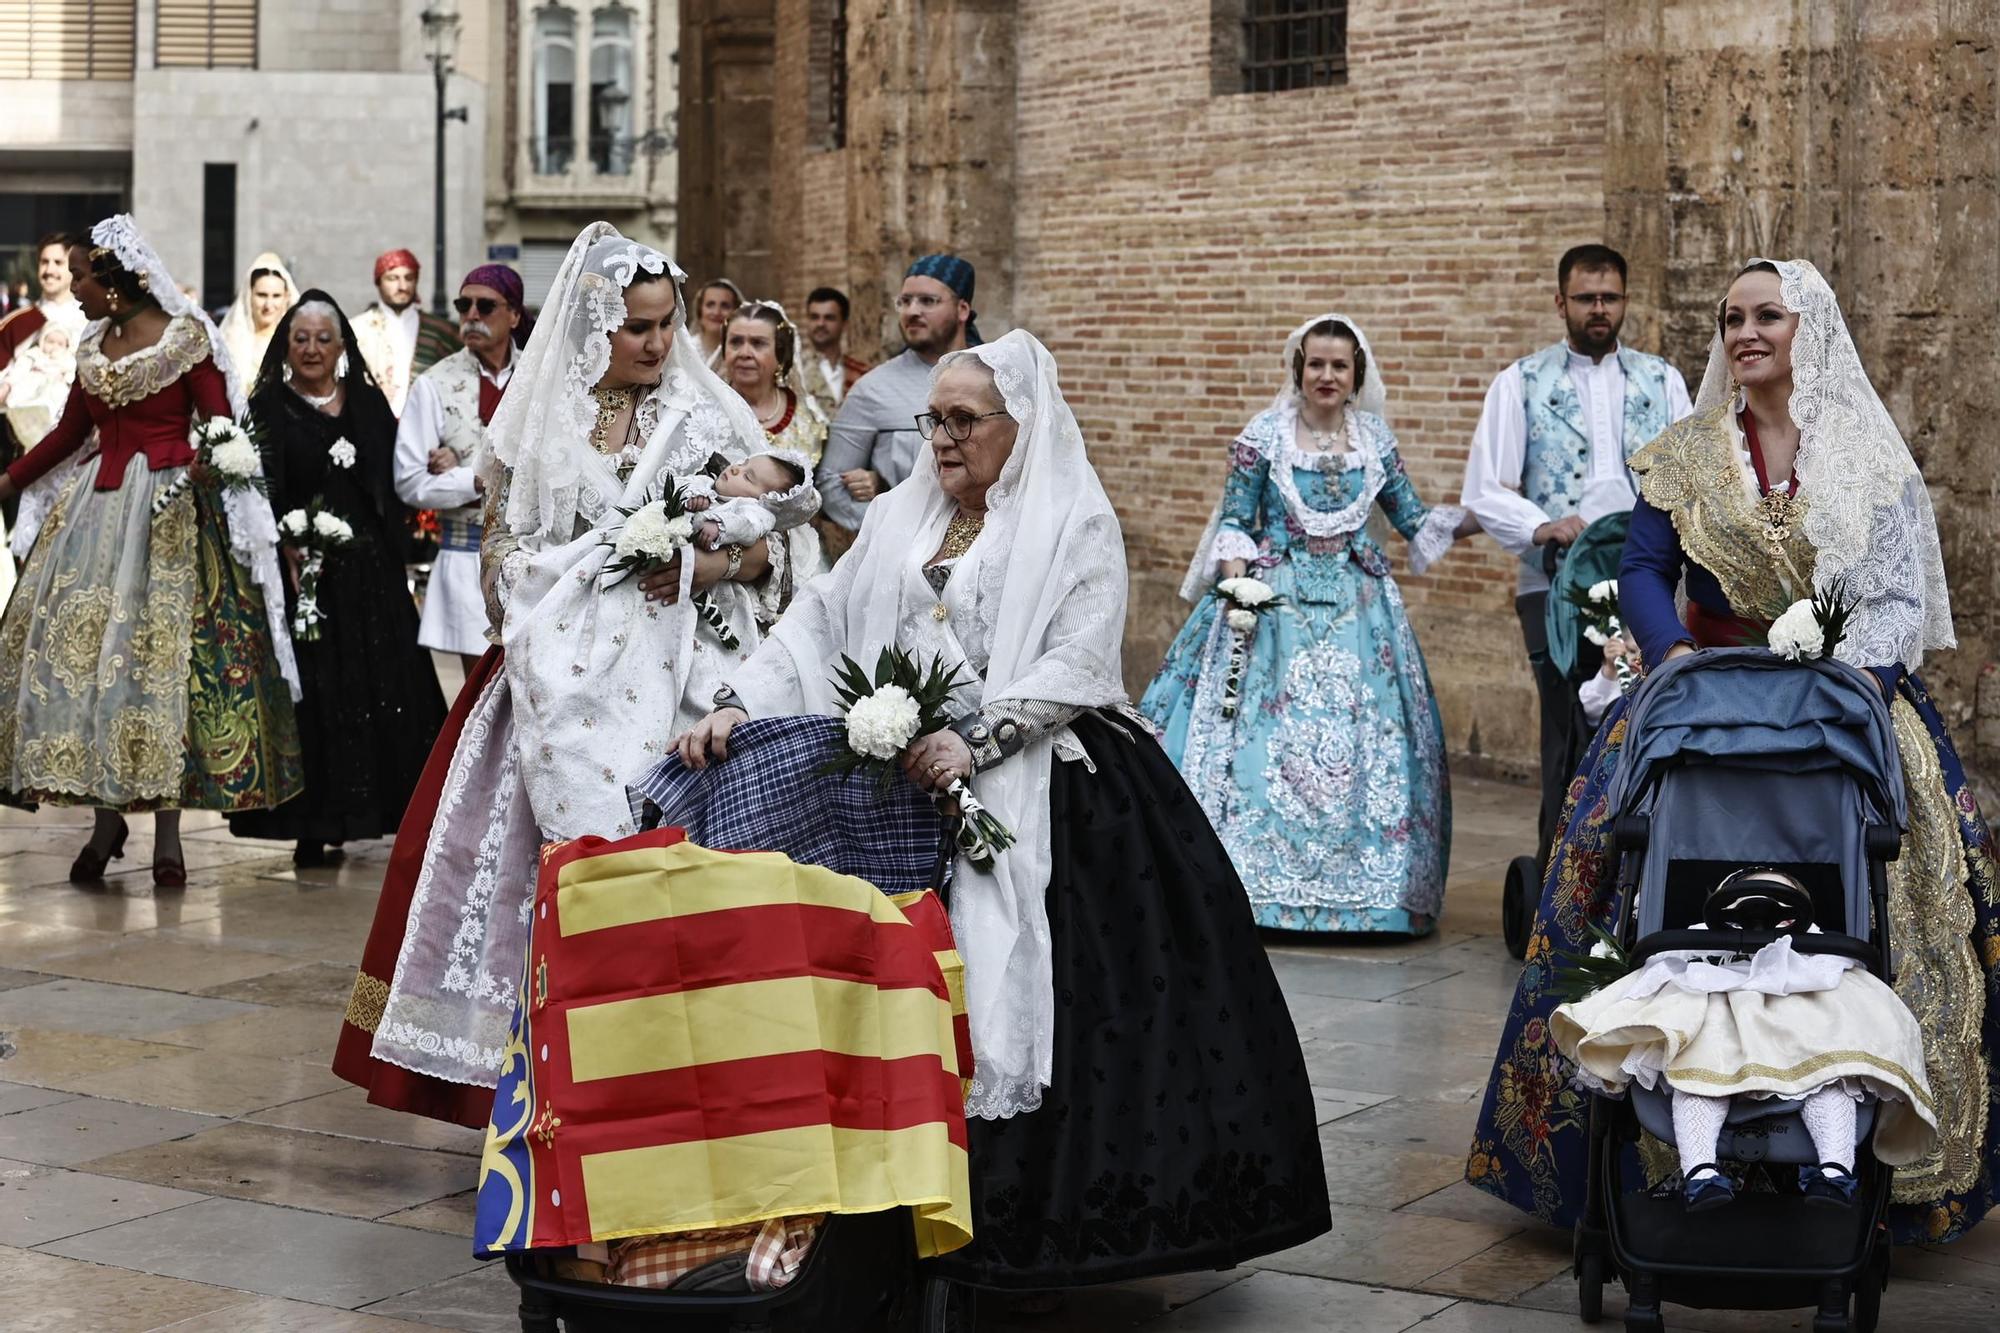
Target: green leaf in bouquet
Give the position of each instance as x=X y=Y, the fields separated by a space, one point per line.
x=885 y=668
x=1581 y=974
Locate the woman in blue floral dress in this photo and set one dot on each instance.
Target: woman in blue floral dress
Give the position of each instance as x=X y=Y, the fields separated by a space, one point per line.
x=1326 y=776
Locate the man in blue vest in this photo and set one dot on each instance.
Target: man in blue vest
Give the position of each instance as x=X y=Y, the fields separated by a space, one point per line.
x=1548 y=459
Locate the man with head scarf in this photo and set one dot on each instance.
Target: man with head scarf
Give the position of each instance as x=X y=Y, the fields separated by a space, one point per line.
x=443 y=426
x=874 y=442
x=397 y=338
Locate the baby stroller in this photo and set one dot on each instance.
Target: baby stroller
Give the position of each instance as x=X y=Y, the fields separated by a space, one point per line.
x=1735 y=757
x=1592 y=559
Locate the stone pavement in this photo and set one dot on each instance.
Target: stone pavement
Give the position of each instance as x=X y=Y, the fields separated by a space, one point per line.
x=175 y=1154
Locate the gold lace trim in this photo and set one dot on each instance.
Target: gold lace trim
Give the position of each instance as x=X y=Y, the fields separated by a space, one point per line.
x=143 y=373
x=1694 y=475
x=367 y=1002
x=1930 y=926
x=1804 y=1069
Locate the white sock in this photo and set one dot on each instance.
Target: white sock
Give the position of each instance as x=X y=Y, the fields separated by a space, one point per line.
x=1697 y=1127
x=1829 y=1114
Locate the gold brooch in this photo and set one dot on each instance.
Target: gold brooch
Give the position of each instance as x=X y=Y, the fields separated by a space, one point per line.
x=940 y=613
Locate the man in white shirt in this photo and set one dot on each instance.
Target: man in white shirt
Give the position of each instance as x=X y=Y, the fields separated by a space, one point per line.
x=444 y=422
x=1549 y=458
x=826 y=368
x=397 y=339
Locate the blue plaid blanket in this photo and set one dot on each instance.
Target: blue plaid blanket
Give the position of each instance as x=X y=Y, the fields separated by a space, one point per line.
x=769 y=796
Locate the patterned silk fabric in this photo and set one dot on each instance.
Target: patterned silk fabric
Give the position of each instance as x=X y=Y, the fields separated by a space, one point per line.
x=1530 y=1145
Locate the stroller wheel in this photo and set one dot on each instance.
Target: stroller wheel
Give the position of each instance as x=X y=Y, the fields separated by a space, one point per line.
x=945 y=1306
x=1517 y=903
x=1590 y=1288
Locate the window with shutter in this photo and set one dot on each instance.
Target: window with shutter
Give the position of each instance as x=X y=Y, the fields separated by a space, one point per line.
x=67 y=39
x=1274 y=46
x=206 y=34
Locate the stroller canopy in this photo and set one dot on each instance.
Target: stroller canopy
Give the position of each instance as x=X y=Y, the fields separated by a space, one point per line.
x=1591 y=560
x=1747 y=708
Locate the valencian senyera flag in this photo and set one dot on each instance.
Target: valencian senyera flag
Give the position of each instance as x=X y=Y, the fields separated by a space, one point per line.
x=708 y=1039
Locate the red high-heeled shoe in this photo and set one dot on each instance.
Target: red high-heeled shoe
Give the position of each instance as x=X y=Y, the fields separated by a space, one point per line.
x=89 y=866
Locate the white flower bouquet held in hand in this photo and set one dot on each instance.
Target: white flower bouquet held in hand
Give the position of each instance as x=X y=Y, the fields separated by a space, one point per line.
x=1598 y=607
x=313 y=532
x=1243 y=598
x=649 y=538
x=226 y=449
x=885 y=713
x=1811 y=629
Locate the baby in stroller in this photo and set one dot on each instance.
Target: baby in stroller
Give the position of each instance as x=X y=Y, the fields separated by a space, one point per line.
x=1815 y=1032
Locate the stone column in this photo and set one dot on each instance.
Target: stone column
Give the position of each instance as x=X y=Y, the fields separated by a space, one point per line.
x=726 y=151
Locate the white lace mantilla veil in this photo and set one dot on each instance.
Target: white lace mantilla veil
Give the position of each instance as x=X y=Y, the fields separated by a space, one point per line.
x=253 y=529
x=541 y=430
x=1043 y=591
x=1372 y=397
x=1868 y=515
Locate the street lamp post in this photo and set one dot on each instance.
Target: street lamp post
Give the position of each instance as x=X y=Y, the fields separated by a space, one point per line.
x=441 y=34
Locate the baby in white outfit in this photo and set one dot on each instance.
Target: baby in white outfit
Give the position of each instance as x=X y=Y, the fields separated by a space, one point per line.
x=765 y=493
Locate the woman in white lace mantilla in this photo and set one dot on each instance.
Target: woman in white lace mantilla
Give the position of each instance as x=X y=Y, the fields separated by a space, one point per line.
x=1307 y=727
x=1115 y=987
x=609 y=406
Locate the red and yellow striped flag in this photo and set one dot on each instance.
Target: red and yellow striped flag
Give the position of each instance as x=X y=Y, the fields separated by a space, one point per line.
x=708 y=1039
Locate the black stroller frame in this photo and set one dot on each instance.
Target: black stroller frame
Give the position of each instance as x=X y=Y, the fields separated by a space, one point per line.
x=862 y=1275
x=1764 y=1250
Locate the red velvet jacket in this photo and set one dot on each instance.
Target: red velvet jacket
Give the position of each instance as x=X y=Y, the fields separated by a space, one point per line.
x=140 y=404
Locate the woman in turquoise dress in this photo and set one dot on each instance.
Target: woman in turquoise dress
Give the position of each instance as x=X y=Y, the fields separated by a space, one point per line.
x=1781 y=483
x=1326 y=776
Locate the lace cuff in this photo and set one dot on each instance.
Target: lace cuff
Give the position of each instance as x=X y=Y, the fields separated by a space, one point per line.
x=1232 y=544
x=1435 y=537
x=1000 y=730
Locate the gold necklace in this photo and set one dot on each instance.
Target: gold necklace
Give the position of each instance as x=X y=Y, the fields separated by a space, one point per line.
x=611 y=403
x=959 y=536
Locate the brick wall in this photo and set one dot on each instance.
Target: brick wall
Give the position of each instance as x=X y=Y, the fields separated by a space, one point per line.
x=1169 y=239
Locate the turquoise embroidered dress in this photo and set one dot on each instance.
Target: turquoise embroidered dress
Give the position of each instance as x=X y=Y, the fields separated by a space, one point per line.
x=1328 y=785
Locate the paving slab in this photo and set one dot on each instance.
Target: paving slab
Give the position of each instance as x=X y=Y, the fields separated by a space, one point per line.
x=1396 y=1249
x=72 y=1005
x=153 y=959
x=276 y=1252
x=49 y=1294
x=44 y=1203
x=211 y=1082
x=483 y=1301
x=1284 y=1301
x=25 y=1097
x=348 y=1113
x=80 y=1128
x=271 y=1315
x=296 y=1168
x=321 y=986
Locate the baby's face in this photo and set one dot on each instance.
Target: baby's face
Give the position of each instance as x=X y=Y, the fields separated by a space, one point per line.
x=55 y=341
x=751 y=478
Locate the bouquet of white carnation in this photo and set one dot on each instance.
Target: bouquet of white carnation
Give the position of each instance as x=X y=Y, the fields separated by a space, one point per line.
x=1811 y=629
x=227 y=450
x=652 y=535
x=313 y=532
x=885 y=713
x=1598 y=605
x=1245 y=598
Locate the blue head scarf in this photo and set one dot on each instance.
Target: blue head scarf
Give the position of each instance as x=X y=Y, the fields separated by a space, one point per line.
x=956 y=274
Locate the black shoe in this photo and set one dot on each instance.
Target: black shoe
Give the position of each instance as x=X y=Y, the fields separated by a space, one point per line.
x=309 y=855
x=1713 y=1190
x=1828 y=1191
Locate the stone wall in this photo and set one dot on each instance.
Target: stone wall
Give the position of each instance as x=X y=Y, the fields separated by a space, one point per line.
x=1163 y=237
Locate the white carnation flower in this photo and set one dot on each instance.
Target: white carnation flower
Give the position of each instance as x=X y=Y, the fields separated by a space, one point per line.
x=1601 y=950
x=1596 y=635
x=332 y=527
x=295 y=523
x=342 y=452
x=1797 y=634
x=1245 y=591
x=1605 y=591
x=1240 y=619
x=236 y=458
x=650 y=535
x=881 y=724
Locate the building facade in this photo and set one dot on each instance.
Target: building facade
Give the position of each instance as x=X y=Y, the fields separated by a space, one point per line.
x=1161 y=190
x=230 y=127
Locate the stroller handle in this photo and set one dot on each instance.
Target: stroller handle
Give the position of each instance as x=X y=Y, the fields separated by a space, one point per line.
x=1749 y=941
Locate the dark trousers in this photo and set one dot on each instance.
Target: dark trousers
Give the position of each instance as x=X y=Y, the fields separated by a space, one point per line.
x=1565 y=733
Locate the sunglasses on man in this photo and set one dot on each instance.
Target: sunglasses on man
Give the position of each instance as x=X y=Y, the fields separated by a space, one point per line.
x=487 y=305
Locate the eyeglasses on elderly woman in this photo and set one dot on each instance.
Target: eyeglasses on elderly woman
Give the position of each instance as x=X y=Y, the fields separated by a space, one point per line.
x=957 y=425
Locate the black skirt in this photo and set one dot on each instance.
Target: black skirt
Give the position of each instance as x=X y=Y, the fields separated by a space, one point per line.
x=1179 y=1133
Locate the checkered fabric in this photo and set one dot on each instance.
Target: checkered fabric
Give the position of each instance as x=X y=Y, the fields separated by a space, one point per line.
x=772 y=1253
x=769 y=796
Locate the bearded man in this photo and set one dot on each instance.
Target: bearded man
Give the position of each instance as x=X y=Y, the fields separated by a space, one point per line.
x=399 y=341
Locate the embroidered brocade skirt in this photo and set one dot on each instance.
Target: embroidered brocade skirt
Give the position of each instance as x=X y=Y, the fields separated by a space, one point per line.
x=136 y=661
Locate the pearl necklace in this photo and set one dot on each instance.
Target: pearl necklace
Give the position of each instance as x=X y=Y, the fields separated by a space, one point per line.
x=316 y=399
